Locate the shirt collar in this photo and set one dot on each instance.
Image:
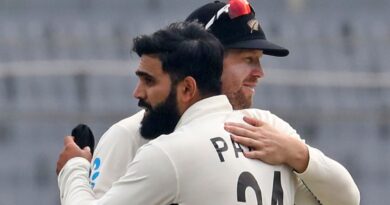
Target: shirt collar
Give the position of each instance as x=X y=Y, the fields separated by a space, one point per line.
x=219 y=103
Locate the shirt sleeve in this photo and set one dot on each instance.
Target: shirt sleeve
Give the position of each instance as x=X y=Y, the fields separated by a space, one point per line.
x=150 y=179
x=115 y=149
x=329 y=181
x=325 y=181
x=303 y=196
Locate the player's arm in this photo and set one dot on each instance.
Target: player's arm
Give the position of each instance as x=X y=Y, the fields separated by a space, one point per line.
x=271 y=145
x=116 y=147
x=275 y=141
x=329 y=181
x=149 y=179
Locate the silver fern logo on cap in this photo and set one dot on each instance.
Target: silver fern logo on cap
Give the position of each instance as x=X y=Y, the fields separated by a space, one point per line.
x=253 y=25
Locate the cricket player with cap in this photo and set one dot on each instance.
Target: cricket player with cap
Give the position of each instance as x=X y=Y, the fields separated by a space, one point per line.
x=191 y=159
x=322 y=180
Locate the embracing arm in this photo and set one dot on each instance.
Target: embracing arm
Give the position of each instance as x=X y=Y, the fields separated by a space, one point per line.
x=275 y=142
x=270 y=144
x=116 y=148
x=329 y=181
x=149 y=179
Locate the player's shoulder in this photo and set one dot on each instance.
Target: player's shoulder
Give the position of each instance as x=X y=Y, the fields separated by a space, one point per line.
x=128 y=125
x=257 y=113
x=270 y=118
x=180 y=139
x=124 y=131
x=131 y=122
x=264 y=115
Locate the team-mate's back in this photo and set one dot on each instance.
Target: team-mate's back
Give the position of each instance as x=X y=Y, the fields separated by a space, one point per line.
x=211 y=169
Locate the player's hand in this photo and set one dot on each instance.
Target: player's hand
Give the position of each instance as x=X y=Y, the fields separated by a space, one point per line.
x=269 y=145
x=70 y=151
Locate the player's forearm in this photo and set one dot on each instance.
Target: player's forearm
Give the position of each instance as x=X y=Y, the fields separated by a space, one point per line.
x=297 y=154
x=303 y=195
x=329 y=181
x=74 y=184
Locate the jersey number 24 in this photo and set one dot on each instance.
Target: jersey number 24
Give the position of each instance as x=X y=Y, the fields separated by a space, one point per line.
x=246 y=180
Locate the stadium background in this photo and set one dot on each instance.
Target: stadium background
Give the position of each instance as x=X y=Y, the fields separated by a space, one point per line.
x=65 y=62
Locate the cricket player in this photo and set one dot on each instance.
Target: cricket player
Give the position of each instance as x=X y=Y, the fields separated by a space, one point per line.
x=192 y=159
x=321 y=179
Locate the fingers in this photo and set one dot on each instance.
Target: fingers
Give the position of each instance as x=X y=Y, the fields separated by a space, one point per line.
x=240 y=130
x=248 y=142
x=256 y=152
x=60 y=161
x=240 y=125
x=253 y=121
x=254 y=155
x=252 y=124
x=262 y=156
x=71 y=150
x=87 y=149
x=59 y=167
x=68 y=139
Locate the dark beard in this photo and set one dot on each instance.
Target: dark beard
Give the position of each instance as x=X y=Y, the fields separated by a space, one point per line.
x=162 y=119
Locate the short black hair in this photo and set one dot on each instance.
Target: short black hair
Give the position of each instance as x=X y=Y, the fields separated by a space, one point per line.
x=186 y=49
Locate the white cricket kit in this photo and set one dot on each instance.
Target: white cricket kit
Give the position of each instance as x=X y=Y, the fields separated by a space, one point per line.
x=325 y=177
x=116 y=148
x=197 y=164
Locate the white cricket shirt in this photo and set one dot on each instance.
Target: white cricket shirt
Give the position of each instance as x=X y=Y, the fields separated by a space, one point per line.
x=196 y=164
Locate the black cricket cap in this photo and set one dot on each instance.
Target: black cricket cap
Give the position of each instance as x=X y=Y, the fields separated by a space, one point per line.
x=241 y=32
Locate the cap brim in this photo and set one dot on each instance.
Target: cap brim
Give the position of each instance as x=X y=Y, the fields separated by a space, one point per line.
x=267 y=47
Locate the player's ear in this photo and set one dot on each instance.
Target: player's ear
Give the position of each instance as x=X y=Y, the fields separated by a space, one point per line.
x=187 y=89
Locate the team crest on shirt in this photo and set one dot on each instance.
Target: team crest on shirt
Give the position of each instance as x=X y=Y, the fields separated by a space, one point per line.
x=254 y=25
x=95 y=172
